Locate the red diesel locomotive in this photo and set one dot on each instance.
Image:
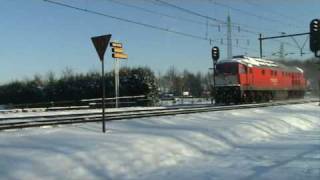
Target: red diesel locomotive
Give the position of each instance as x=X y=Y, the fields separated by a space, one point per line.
x=244 y=79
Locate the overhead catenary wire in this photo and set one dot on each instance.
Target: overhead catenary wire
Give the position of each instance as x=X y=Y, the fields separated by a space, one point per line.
x=196 y=13
x=260 y=17
x=234 y=25
x=207 y=23
x=222 y=23
x=287 y=17
x=284 y=42
x=124 y=19
x=201 y=15
x=190 y=11
x=160 y=13
x=86 y=10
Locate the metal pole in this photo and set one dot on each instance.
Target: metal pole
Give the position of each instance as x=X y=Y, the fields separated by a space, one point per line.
x=103 y=99
x=283 y=36
x=229 y=38
x=318 y=77
x=214 y=81
x=116 y=80
x=260 y=39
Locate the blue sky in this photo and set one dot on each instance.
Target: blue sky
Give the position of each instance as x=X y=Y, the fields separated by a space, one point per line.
x=38 y=37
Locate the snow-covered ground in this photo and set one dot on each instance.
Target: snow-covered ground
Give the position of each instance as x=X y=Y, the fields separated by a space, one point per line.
x=268 y=143
x=185 y=101
x=66 y=112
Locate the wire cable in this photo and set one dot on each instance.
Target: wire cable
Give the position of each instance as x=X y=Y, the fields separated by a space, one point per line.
x=160 y=14
x=234 y=25
x=252 y=14
x=292 y=18
x=138 y=23
x=124 y=19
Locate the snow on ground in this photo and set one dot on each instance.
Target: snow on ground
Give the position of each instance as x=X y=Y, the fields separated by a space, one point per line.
x=268 y=143
x=65 y=112
x=185 y=101
x=43 y=111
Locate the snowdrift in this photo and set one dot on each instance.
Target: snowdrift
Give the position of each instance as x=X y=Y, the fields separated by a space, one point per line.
x=268 y=143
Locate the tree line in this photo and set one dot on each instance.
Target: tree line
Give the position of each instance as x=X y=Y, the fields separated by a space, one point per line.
x=76 y=86
x=176 y=82
x=133 y=81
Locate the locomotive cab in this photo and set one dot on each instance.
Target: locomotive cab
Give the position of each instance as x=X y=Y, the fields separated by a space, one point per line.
x=227 y=74
x=227 y=82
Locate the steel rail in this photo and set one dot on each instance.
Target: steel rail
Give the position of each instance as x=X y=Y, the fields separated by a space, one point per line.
x=122 y=116
x=99 y=113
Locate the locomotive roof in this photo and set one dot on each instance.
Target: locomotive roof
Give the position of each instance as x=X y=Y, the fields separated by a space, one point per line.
x=258 y=62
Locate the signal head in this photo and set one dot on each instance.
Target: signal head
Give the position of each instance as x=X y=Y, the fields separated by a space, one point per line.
x=315 y=35
x=315 y=25
x=215 y=53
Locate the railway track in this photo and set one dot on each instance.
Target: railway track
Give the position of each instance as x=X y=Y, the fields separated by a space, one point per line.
x=53 y=120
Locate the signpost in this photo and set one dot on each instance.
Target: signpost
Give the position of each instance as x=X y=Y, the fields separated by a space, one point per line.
x=117 y=53
x=101 y=44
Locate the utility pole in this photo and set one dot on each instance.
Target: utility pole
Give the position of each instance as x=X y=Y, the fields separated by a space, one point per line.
x=229 y=38
x=260 y=40
x=281 y=50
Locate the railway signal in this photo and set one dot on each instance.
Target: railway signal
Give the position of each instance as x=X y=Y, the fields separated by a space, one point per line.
x=215 y=54
x=101 y=44
x=315 y=36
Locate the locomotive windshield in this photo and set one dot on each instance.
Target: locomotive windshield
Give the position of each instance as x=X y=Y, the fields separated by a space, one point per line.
x=227 y=68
